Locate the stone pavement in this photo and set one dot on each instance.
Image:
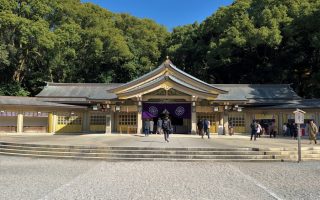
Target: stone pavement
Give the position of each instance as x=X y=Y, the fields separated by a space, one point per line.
x=176 y=141
x=29 y=178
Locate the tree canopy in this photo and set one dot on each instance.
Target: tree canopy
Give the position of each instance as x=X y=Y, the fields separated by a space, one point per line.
x=69 y=41
x=250 y=41
x=255 y=41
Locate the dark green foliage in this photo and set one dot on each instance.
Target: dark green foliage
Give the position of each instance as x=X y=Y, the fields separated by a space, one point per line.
x=255 y=41
x=69 y=41
x=250 y=41
x=13 y=89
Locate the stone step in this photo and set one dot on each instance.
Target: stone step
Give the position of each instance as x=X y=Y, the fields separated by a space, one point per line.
x=288 y=148
x=306 y=156
x=109 y=154
x=142 y=159
x=128 y=148
x=302 y=152
x=9 y=147
x=158 y=153
x=310 y=159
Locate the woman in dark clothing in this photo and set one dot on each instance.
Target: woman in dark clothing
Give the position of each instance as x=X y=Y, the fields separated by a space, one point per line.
x=167 y=128
x=200 y=128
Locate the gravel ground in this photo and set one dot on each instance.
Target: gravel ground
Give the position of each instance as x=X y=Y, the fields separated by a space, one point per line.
x=28 y=178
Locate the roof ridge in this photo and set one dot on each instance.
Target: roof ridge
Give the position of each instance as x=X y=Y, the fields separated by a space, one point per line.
x=81 y=84
x=241 y=84
x=8 y=97
x=195 y=78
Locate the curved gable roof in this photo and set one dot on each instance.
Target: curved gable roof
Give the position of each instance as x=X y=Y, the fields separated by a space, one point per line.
x=167 y=68
x=174 y=82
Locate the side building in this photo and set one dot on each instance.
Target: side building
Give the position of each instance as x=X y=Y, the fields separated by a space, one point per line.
x=123 y=108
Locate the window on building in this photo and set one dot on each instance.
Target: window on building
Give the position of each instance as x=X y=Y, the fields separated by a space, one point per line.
x=129 y=118
x=98 y=120
x=8 y=114
x=236 y=121
x=35 y=114
x=69 y=120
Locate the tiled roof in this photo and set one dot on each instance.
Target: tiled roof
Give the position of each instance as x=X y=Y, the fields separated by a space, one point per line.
x=31 y=101
x=162 y=69
x=94 y=91
x=257 y=93
x=252 y=93
x=301 y=104
x=162 y=78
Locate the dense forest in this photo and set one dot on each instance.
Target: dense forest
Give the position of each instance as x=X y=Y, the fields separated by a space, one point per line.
x=250 y=41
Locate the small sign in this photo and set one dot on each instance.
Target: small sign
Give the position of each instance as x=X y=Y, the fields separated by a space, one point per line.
x=94 y=107
x=299 y=116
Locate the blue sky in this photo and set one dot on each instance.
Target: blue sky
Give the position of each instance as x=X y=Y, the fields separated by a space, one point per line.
x=169 y=13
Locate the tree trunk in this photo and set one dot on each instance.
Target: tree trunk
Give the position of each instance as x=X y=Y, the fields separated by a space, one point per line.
x=17 y=76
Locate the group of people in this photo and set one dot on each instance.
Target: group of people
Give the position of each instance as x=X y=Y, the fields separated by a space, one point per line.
x=290 y=129
x=203 y=126
x=257 y=129
x=164 y=126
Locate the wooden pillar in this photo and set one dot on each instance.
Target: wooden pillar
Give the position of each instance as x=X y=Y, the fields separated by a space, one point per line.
x=55 y=122
x=139 y=122
x=50 y=123
x=248 y=121
x=86 y=122
x=194 y=121
x=225 y=123
x=113 y=122
x=20 y=123
x=280 y=124
x=108 y=123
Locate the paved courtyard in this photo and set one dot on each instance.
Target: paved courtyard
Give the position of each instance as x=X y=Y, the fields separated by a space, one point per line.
x=28 y=178
x=216 y=141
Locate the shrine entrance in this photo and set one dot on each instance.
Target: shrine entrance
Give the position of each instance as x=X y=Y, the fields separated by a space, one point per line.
x=179 y=114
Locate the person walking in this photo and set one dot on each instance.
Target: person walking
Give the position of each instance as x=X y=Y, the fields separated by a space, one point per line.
x=273 y=129
x=284 y=129
x=151 y=126
x=146 y=127
x=259 y=129
x=291 y=129
x=254 y=128
x=167 y=128
x=200 y=128
x=159 y=126
x=209 y=126
x=206 y=126
x=312 y=131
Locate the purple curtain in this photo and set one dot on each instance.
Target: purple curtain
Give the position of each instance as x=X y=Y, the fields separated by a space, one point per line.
x=147 y=115
x=179 y=110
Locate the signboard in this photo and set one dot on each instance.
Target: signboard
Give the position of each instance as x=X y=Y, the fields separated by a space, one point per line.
x=299 y=119
x=299 y=116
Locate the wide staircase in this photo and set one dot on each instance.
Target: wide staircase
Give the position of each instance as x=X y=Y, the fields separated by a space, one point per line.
x=157 y=154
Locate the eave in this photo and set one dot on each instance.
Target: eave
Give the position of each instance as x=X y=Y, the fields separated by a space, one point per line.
x=167 y=82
